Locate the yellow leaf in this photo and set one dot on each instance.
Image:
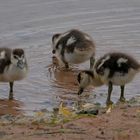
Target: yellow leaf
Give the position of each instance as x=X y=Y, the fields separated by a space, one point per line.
x=109 y=109
x=66 y=112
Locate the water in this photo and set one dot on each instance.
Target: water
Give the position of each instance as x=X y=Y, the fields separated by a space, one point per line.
x=30 y=24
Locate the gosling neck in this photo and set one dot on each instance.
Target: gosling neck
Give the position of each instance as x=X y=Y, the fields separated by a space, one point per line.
x=96 y=81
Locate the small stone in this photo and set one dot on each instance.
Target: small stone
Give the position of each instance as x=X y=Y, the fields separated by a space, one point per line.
x=102 y=132
x=91 y=111
x=107 y=121
x=134 y=116
x=129 y=105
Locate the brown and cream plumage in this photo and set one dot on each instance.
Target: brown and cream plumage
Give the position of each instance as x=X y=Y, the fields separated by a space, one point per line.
x=111 y=69
x=13 y=66
x=73 y=47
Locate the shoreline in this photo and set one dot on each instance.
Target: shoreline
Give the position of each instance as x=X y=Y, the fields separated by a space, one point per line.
x=122 y=123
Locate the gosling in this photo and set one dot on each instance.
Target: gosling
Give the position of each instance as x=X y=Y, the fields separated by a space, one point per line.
x=111 y=69
x=13 y=66
x=73 y=47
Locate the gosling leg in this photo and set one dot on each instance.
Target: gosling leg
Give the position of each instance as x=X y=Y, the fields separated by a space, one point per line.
x=122 y=99
x=110 y=88
x=11 y=90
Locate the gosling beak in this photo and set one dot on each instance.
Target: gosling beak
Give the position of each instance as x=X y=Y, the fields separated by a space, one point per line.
x=20 y=64
x=53 y=51
x=80 y=91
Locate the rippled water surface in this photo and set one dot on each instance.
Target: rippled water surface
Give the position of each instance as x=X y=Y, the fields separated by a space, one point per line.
x=30 y=24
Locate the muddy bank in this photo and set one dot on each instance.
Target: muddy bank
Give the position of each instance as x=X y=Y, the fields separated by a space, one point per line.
x=122 y=123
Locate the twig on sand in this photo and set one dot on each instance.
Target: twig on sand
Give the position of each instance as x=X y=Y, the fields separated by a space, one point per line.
x=61 y=131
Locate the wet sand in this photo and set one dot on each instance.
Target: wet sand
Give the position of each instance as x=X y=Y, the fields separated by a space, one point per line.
x=121 y=124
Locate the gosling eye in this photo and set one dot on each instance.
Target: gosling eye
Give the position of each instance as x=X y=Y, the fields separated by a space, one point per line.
x=15 y=57
x=53 y=51
x=100 y=70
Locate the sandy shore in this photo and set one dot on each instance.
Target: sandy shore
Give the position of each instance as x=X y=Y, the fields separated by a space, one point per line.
x=122 y=123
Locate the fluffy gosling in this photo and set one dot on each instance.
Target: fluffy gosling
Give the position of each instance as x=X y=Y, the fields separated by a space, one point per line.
x=111 y=69
x=73 y=47
x=13 y=66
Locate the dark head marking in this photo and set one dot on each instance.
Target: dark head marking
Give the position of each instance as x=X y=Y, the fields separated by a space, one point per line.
x=18 y=52
x=79 y=77
x=55 y=36
x=90 y=73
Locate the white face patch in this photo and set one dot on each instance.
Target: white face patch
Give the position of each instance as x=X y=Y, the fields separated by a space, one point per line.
x=55 y=42
x=2 y=55
x=59 y=49
x=121 y=60
x=15 y=59
x=22 y=58
x=71 y=40
x=103 y=61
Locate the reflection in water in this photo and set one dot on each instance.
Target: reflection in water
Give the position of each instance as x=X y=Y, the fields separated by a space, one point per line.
x=66 y=78
x=63 y=77
x=64 y=82
x=12 y=107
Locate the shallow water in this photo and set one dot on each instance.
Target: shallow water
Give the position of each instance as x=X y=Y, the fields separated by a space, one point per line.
x=30 y=24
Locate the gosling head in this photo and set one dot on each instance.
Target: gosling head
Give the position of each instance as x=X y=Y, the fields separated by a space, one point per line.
x=84 y=79
x=18 y=58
